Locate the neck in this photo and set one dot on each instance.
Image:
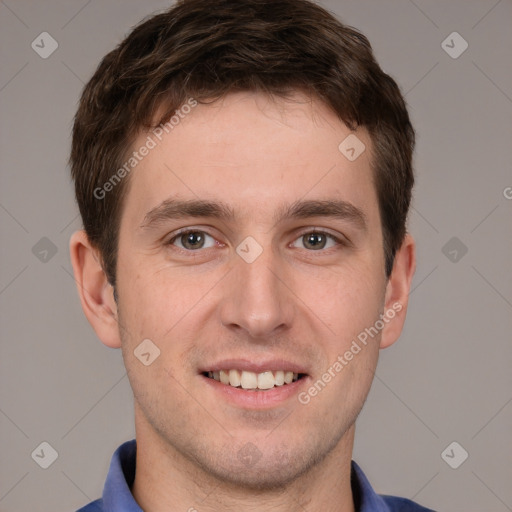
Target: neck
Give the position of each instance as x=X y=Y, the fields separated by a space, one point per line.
x=167 y=480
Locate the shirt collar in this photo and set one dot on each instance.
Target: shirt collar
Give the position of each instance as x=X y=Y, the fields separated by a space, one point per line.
x=117 y=496
x=365 y=498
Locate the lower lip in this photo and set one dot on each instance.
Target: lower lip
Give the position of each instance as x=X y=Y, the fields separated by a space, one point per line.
x=259 y=399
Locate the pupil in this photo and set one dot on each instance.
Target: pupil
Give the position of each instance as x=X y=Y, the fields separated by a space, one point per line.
x=192 y=240
x=315 y=240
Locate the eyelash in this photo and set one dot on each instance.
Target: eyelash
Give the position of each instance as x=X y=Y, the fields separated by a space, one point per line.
x=186 y=231
x=338 y=241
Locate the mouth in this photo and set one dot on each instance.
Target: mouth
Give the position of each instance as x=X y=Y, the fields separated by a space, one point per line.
x=252 y=381
x=252 y=384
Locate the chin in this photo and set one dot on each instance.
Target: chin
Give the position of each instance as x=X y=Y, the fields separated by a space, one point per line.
x=264 y=476
x=249 y=469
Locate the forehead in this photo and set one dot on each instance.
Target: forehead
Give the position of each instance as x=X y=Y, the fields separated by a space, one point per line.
x=250 y=150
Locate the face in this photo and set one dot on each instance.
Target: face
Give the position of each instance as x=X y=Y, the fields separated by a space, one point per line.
x=251 y=247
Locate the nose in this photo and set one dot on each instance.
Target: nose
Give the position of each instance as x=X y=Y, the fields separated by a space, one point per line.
x=258 y=299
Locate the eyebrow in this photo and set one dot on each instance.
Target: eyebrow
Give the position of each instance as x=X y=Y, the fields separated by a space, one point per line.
x=178 y=209
x=301 y=209
x=334 y=208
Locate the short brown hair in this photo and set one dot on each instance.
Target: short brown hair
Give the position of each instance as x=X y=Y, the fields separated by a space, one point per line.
x=206 y=49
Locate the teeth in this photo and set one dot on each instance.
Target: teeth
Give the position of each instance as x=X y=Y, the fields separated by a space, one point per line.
x=252 y=381
x=249 y=380
x=266 y=380
x=234 y=378
x=224 y=377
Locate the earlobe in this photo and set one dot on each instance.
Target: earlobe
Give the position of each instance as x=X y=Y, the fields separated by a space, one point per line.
x=94 y=290
x=397 y=291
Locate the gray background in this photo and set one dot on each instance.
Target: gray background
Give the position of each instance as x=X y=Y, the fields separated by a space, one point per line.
x=447 y=379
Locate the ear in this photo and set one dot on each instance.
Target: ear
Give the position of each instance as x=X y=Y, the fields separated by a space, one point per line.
x=96 y=294
x=397 y=291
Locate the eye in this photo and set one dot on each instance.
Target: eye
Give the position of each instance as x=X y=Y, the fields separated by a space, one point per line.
x=316 y=240
x=193 y=240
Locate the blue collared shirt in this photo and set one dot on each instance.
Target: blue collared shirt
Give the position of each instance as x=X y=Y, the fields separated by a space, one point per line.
x=117 y=496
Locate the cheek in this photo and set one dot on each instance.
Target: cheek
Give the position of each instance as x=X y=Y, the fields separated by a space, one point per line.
x=348 y=299
x=157 y=300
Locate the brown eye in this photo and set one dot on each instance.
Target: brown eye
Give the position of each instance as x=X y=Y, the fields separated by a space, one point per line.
x=316 y=240
x=193 y=240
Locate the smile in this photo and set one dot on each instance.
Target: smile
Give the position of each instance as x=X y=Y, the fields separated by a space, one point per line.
x=252 y=381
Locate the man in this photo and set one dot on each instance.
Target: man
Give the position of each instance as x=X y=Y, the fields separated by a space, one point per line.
x=243 y=171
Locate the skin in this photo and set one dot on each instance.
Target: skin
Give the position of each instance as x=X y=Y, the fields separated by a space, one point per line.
x=295 y=302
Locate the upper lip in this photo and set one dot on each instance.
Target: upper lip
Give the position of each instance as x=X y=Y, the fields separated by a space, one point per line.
x=271 y=365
